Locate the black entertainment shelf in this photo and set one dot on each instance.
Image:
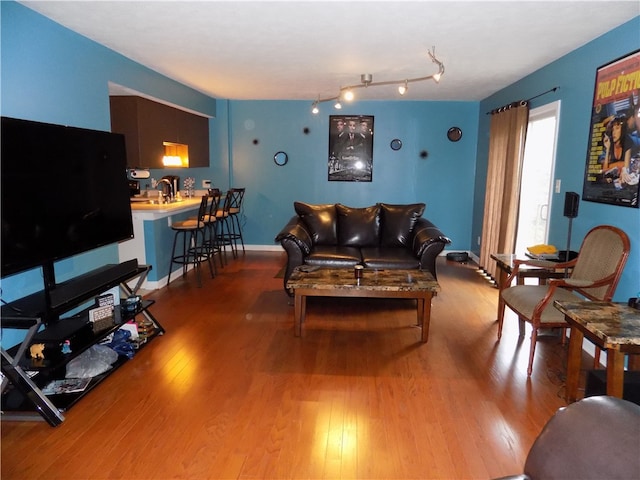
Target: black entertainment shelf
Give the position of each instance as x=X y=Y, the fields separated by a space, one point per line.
x=71 y=293
x=22 y=396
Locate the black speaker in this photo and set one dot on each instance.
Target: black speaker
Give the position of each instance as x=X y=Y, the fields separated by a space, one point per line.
x=571 y=202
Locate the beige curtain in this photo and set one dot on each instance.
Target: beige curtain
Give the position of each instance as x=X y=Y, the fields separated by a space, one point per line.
x=506 y=150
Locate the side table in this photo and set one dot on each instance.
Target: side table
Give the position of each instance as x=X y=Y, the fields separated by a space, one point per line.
x=614 y=327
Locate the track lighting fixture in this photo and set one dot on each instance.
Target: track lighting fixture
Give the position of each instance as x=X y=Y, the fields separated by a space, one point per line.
x=402 y=89
x=366 y=81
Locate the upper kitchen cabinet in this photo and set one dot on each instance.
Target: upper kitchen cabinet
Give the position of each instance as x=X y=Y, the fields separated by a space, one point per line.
x=148 y=125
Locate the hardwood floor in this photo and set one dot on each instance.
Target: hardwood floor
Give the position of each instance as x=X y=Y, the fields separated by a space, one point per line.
x=230 y=393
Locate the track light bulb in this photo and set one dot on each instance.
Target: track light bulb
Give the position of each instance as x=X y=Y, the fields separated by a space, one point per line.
x=338 y=105
x=402 y=89
x=314 y=109
x=348 y=95
x=436 y=77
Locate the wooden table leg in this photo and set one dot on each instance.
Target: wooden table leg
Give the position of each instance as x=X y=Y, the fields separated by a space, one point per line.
x=615 y=373
x=426 y=315
x=299 y=311
x=573 y=365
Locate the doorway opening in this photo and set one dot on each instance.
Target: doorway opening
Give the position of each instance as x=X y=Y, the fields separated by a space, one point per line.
x=536 y=187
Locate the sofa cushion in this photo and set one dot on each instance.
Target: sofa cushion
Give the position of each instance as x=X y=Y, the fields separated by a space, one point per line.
x=397 y=223
x=333 y=256
x=320 y=220
x=358 y=227
x=389 y=258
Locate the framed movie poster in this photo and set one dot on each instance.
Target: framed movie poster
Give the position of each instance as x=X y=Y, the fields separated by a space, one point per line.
x=612 y=172
x=350 y=148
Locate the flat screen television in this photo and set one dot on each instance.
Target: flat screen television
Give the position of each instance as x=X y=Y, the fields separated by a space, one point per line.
x=64 y=192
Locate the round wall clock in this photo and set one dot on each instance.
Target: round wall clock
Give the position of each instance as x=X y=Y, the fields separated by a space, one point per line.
x=396 y=144
x=280 y=158
x=454 y=134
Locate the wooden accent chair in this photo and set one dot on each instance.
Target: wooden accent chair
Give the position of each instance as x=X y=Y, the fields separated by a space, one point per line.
x=594 y=275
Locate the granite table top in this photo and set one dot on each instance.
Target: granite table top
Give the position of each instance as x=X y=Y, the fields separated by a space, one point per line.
x=615 y=324
x=324 y=278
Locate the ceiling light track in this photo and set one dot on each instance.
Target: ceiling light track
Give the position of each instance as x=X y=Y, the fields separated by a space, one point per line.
x=366 y=81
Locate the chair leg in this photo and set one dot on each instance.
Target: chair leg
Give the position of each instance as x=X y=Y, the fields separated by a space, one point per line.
x=216 y=249
x=221 y=240
x=238 y=234
x=173 y=255
x=228 y=236
x=501 y=307
x=532 y=349
x=194 y=252
x=210 y=245
x=205 y=250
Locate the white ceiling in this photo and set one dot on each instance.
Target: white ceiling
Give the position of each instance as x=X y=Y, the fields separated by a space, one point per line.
x=306 y=49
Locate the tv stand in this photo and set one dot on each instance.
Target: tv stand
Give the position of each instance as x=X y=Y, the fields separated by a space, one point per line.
x=24 y=377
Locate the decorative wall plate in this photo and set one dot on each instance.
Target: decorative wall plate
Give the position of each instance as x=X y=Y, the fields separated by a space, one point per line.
x=454 y=134
x=280 y=158
x=396 y=144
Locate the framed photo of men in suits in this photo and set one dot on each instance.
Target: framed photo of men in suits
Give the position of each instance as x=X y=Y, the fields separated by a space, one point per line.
x=350 y=148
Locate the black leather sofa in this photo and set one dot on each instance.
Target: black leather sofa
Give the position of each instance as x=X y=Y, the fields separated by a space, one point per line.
x=382 y=236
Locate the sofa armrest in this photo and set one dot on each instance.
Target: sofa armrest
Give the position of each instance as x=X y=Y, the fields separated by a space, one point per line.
x=296 y=232
x=428 y=241
x=296 y=241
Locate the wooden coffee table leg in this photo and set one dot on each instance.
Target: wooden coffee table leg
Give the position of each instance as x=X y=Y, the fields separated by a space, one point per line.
x=299 y=311
x=425 y=312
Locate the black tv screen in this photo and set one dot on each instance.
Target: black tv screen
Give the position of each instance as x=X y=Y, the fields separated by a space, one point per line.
x=64 y=192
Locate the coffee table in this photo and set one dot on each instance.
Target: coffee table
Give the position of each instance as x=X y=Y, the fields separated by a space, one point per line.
x=308 y=281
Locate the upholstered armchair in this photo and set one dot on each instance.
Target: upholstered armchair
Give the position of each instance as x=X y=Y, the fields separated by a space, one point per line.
x=594 y=275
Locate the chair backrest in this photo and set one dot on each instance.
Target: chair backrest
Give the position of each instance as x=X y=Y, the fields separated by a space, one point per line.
x=227 y=203
x=603 y=253
x=213 y=204
x=202 y=210
x=237 y=194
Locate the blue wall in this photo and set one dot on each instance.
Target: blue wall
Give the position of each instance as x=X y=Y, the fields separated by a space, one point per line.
x=575 y=75
x=52 y=74
x=441 y=180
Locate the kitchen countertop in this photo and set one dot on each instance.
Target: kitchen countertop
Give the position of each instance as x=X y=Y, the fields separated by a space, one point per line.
x=152 y=211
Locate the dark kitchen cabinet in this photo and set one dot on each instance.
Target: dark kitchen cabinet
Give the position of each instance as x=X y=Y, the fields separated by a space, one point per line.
x=147 y=124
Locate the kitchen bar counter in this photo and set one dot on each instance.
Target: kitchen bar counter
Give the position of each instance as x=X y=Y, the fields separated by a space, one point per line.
x=153 y=211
